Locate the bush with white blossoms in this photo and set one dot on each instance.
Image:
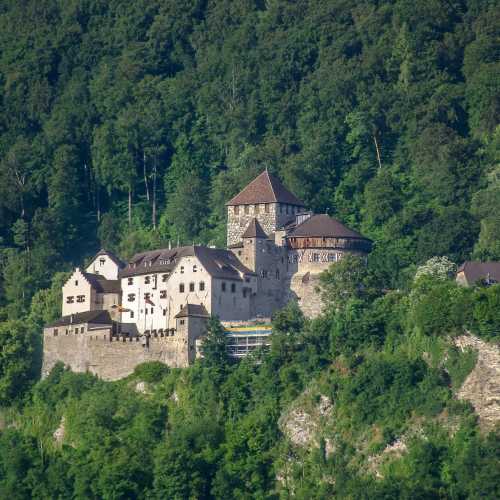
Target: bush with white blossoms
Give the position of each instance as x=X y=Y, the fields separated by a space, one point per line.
x=439 y=268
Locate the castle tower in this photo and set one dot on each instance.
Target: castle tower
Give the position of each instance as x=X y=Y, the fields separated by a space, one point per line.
x=253 y=239
x=265 y=199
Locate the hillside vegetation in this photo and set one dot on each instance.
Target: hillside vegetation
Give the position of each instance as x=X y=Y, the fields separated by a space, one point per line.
x=127 y=125
x=371 y=386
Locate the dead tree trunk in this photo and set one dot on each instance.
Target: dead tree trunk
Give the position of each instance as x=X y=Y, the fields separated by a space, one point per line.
x=145 y=174
x=377 y=149
x=154 y=192
x=130 y=206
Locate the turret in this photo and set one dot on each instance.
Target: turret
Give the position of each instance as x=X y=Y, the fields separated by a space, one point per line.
x=265 y=199
x=253 y=240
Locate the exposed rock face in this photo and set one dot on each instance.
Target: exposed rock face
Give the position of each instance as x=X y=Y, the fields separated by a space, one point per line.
x=58 y=434
x=482 y=386
x=302 y=427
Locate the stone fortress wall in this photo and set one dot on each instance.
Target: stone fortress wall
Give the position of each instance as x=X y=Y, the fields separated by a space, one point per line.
x=112 y=357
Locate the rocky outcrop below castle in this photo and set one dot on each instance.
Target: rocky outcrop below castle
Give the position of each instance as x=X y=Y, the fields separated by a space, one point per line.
x=482 y=386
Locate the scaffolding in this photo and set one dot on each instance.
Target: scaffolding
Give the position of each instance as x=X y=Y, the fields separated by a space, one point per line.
x=242 y=340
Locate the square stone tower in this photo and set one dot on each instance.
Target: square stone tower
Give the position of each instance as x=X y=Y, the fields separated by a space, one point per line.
x=266 y=199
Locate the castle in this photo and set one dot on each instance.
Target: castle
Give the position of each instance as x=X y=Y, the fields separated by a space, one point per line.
x=116 y=315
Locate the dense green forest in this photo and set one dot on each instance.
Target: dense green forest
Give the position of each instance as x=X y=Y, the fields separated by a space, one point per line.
x=126 y=125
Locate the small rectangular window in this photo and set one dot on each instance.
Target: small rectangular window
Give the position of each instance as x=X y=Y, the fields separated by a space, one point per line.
x=131 y=314
x=102 y=261
x=152 y=310
x=191 y=287
x=233 y=287
x=163 y=294
x=147 y=280
x=76 y=282
x=131 y=297
x=202 y=286
x=182 y=269
x=266 y=208
x=247 y=209
x=236 y=210
x=181 y=321
x=164 y=277
x=80 y=298
x=70 y=299
x=164 y=312
x=181 y=287
x=131 y=281
x=195 y=268
x=223 y=286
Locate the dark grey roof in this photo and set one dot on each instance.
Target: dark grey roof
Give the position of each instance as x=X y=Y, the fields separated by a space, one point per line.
x=101 y=284
x=475 y=271
x=99 y=317
x=218 y=263
x=265 y=188
x=254 y=230
x=323 y=225
x=111 y=255
x=192 y=310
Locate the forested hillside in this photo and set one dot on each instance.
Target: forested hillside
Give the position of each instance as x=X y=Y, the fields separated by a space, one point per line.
x=129 y=124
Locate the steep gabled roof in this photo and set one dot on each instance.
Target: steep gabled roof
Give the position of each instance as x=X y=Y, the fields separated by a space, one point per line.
x=192 y=310
x=475 y=271
x=254 y=230
x=323 y=225
x=111 y=255
x=265 y=188
x=99 y=317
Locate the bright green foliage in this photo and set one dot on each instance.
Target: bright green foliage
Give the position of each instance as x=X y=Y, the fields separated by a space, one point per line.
x=486 y=312
x=18 y=360
x=215 y=346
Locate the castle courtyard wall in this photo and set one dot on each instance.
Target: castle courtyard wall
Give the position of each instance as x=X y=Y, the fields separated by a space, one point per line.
x=113 y=359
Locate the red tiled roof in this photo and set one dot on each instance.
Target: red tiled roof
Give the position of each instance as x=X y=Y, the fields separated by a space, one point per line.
x=265 y=188
x=254 y=230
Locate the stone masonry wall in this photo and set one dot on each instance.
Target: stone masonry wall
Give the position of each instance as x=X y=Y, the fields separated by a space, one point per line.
x=236 y=224
x=110 y=360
